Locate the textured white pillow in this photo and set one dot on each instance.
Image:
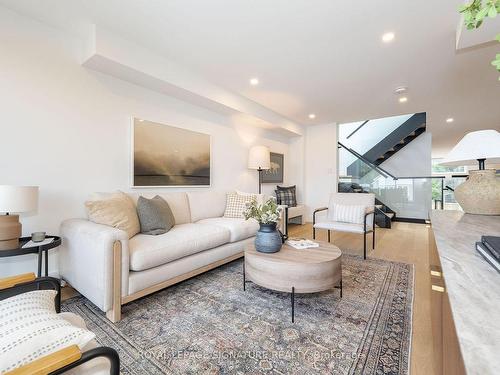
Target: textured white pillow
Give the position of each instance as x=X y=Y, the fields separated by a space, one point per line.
x=347 y=213
x=30 y=328
x=236 y=204
x=259 y=197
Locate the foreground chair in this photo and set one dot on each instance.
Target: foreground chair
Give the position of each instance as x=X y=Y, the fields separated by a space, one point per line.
x=348 y=212
x=93 y=360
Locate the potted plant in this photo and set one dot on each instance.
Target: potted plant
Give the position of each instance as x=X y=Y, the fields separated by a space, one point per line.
x=268 y=238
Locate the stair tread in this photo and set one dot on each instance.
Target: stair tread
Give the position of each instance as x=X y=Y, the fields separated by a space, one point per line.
x=379 y=205
x=390 y=214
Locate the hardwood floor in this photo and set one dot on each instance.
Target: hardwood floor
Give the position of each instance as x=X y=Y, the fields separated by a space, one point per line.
x=404 y=242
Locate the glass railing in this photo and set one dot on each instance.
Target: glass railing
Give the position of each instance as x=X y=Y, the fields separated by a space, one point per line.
x=408 y=197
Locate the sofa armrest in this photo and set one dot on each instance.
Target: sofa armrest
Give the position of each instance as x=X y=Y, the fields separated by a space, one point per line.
x=90 y=256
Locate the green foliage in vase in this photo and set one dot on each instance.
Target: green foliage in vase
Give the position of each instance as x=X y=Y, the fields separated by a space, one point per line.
x=266 y=213
x=476 y=12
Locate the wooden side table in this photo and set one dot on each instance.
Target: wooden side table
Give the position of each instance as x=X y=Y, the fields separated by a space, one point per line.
x=35 y=249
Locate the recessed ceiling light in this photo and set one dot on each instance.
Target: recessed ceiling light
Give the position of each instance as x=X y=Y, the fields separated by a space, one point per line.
x=449 y=119
x=312 y=116
x=388 y=37
x=254 y=81
x=403 y=99
x=141 y=120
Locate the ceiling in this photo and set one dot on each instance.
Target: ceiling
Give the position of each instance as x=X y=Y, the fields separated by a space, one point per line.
x=324 y=57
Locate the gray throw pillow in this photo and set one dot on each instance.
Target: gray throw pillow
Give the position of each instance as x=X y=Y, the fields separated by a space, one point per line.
x=155 y=215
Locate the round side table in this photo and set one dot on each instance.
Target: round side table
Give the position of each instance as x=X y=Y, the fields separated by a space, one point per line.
x=35 y=249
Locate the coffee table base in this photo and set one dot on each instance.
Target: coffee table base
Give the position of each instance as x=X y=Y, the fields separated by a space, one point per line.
x=292 y=294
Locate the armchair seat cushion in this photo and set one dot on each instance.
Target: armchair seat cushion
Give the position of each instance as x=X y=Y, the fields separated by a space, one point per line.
x=182 y=240
x=342 y=227
x=298 y=210
x=97 y=366
x=30 y=329
x=240 y=229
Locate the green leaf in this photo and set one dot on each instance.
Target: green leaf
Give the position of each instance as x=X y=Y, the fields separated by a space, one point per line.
x=492 y=13
x=498 y=37
x=481 y=14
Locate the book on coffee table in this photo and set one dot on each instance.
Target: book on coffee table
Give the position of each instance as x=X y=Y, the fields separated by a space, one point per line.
x=486 y=254
x=492 y=243
x=301 y=243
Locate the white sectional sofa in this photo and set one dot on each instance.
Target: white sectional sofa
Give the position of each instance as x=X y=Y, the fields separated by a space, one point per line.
x=110 y=269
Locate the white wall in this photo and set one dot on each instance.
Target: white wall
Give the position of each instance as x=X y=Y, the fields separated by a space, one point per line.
x=320 y=166
x=67 y=129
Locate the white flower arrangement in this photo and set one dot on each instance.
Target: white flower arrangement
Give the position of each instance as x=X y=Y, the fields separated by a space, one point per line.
x=266 y=213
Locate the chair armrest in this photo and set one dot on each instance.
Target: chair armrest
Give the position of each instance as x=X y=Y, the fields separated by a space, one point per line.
x=66 y=359
x=316 y=211
x=50 y=362
x=8 y=282
x=87 y=259
x=20 y=284
x=369 y=210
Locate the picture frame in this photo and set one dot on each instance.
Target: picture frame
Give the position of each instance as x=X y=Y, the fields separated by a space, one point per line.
x=276 y=173
x=165 y=156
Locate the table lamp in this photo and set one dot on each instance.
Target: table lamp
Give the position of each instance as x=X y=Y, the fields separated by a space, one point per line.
x=259 y=158
x=14 y=199
x=480 y=193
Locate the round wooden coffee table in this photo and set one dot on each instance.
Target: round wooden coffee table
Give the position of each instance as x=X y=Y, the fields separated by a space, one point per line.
x=295 y=271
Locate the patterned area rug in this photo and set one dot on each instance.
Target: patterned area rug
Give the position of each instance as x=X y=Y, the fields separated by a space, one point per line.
x=209 y=325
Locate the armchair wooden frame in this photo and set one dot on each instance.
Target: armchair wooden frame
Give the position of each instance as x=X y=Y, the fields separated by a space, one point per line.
x=365 y=231
x=66 y=358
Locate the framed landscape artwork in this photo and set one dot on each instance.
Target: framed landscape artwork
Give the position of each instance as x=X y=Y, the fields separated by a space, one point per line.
x=275 y=174
x=166 y=156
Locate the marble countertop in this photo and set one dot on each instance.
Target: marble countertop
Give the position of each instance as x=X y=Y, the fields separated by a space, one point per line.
x=473 y=286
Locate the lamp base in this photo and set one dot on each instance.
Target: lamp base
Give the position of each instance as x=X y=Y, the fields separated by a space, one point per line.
x=10 y=231
x=480 y=194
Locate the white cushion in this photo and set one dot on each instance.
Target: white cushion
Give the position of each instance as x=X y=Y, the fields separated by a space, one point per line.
x=97 y=366
x=239 y=228
x=347 y=213
x=260 y=197
x=206 y=204
x=236 y=204
x=30 y=328
x=342 y=227
x=298 y=210
x=182 y=240
x=144 y=279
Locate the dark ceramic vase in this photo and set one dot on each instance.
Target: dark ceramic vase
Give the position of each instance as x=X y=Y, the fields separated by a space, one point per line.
x=268 y=239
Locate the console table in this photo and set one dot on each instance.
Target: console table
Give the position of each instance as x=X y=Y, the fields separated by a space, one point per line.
x=465 y=294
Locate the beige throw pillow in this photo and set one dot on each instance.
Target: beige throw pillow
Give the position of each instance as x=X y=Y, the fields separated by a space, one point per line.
x=118 y=212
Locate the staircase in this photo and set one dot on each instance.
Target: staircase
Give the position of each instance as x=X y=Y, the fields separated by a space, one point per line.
x=366 y=169
x=391 y=144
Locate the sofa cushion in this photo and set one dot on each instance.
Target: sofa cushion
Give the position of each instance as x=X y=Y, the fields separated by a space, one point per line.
x=206 y=204
x=178 y=203
x=118 y=211
x=155 y=215
x=239 y=228
x=182 y=240
x=236 y=205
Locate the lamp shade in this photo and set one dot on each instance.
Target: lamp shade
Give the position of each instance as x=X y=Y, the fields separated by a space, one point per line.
x=259 y=158
x=481 y=144
x=16 y=199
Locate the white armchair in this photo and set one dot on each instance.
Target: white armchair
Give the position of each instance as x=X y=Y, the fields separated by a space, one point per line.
x=348 y=212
